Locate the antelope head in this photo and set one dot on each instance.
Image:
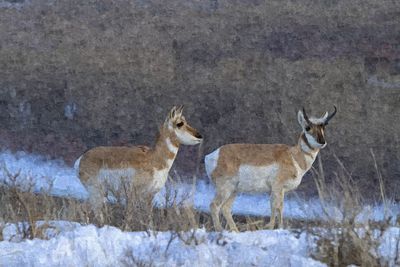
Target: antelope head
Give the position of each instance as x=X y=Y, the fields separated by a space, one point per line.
x=314 y=128
x=185 y=133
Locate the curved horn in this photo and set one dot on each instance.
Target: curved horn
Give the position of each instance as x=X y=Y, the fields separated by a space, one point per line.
x=306 y=117
x=330 y=116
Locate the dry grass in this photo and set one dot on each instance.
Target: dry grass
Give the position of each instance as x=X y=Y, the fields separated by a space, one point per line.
x=25 y=205
x=345 y=240
x=342 y=240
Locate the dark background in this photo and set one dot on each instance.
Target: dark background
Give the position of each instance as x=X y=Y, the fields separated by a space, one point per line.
x=77 y=74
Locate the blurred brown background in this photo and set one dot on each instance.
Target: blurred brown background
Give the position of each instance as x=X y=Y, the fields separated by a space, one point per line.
x=77 y=74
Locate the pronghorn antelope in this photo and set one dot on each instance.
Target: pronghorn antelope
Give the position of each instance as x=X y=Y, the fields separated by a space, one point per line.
x=256 y=168
x=144 y=169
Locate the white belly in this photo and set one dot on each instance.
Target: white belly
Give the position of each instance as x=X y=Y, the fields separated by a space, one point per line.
x=256 y=179
x=114 y=178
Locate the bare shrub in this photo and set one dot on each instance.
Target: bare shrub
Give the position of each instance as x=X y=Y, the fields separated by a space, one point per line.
x=133 y=212
x=30 y=210
x=344 y=240
x=125 y=209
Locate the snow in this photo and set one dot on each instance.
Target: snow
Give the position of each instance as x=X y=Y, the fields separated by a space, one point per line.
x=73 y=244
x=77 y=245
x=41 y=174
x=56 y=177
x=257 y=204
x=390 y=245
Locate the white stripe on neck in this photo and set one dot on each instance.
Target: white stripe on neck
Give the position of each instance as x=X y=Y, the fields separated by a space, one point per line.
x=306 y=148
x=171 y=147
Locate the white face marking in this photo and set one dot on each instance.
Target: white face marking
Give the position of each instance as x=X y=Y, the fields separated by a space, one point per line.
x=186 y=138
x=173 y=149
x=311 y=140
x=210 y=162
x=257 y=178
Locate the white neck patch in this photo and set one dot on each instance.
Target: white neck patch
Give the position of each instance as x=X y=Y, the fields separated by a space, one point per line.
x=305 y=147
x=170 y=146
x=313 y=143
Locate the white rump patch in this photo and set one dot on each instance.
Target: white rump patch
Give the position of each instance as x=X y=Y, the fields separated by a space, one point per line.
x=76 y=165
x=171 y=147
x=210 y=162
x=257 y=179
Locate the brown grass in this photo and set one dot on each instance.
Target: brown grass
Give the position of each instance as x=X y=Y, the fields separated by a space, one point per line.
x=30 y=207
x=345 y=241
x=341 y=242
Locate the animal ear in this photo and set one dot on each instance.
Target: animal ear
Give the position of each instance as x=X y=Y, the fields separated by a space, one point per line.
x=172 y=113
x=301 y=119
x=325 y=116
x=179 y=110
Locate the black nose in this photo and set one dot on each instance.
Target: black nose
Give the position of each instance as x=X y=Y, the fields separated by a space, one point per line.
x=198 y=136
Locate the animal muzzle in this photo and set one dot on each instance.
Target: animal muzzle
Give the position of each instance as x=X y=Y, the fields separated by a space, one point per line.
x=321 y=140
x=198 y=135
x=195 y=133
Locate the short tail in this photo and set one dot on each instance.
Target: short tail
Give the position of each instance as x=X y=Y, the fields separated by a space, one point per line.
x=76 y=165
x=210 y=162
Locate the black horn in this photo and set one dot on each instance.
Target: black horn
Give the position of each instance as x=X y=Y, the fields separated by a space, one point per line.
x=306 y=117
x=331 y=115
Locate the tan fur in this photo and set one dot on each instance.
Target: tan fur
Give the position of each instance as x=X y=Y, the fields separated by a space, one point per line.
x=277 y=168
x=145 y=168
x=141 y=158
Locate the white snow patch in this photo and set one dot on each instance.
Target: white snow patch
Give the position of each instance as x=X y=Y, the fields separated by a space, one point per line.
x=41 y=174
x=109 y=246
x=389 y=248
x=55 y=176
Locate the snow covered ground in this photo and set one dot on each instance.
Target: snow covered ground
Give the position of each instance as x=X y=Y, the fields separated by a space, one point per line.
x=43 y=174
x=73 y=244
x=77 y=245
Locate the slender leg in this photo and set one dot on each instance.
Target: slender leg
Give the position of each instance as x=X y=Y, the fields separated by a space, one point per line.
x=96 y=199
x=271 y=223
x=276 y=207
x=215 y=207
x=280 y=209
x=226 y=211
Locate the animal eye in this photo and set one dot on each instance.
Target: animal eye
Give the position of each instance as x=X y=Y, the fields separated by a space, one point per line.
x=179 y=125
x=308 y=128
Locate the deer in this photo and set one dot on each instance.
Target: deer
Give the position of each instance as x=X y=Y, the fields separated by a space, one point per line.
x=260 y=168
x=143 y=168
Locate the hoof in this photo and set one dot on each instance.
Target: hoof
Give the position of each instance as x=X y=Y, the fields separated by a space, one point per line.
x=270 y=226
